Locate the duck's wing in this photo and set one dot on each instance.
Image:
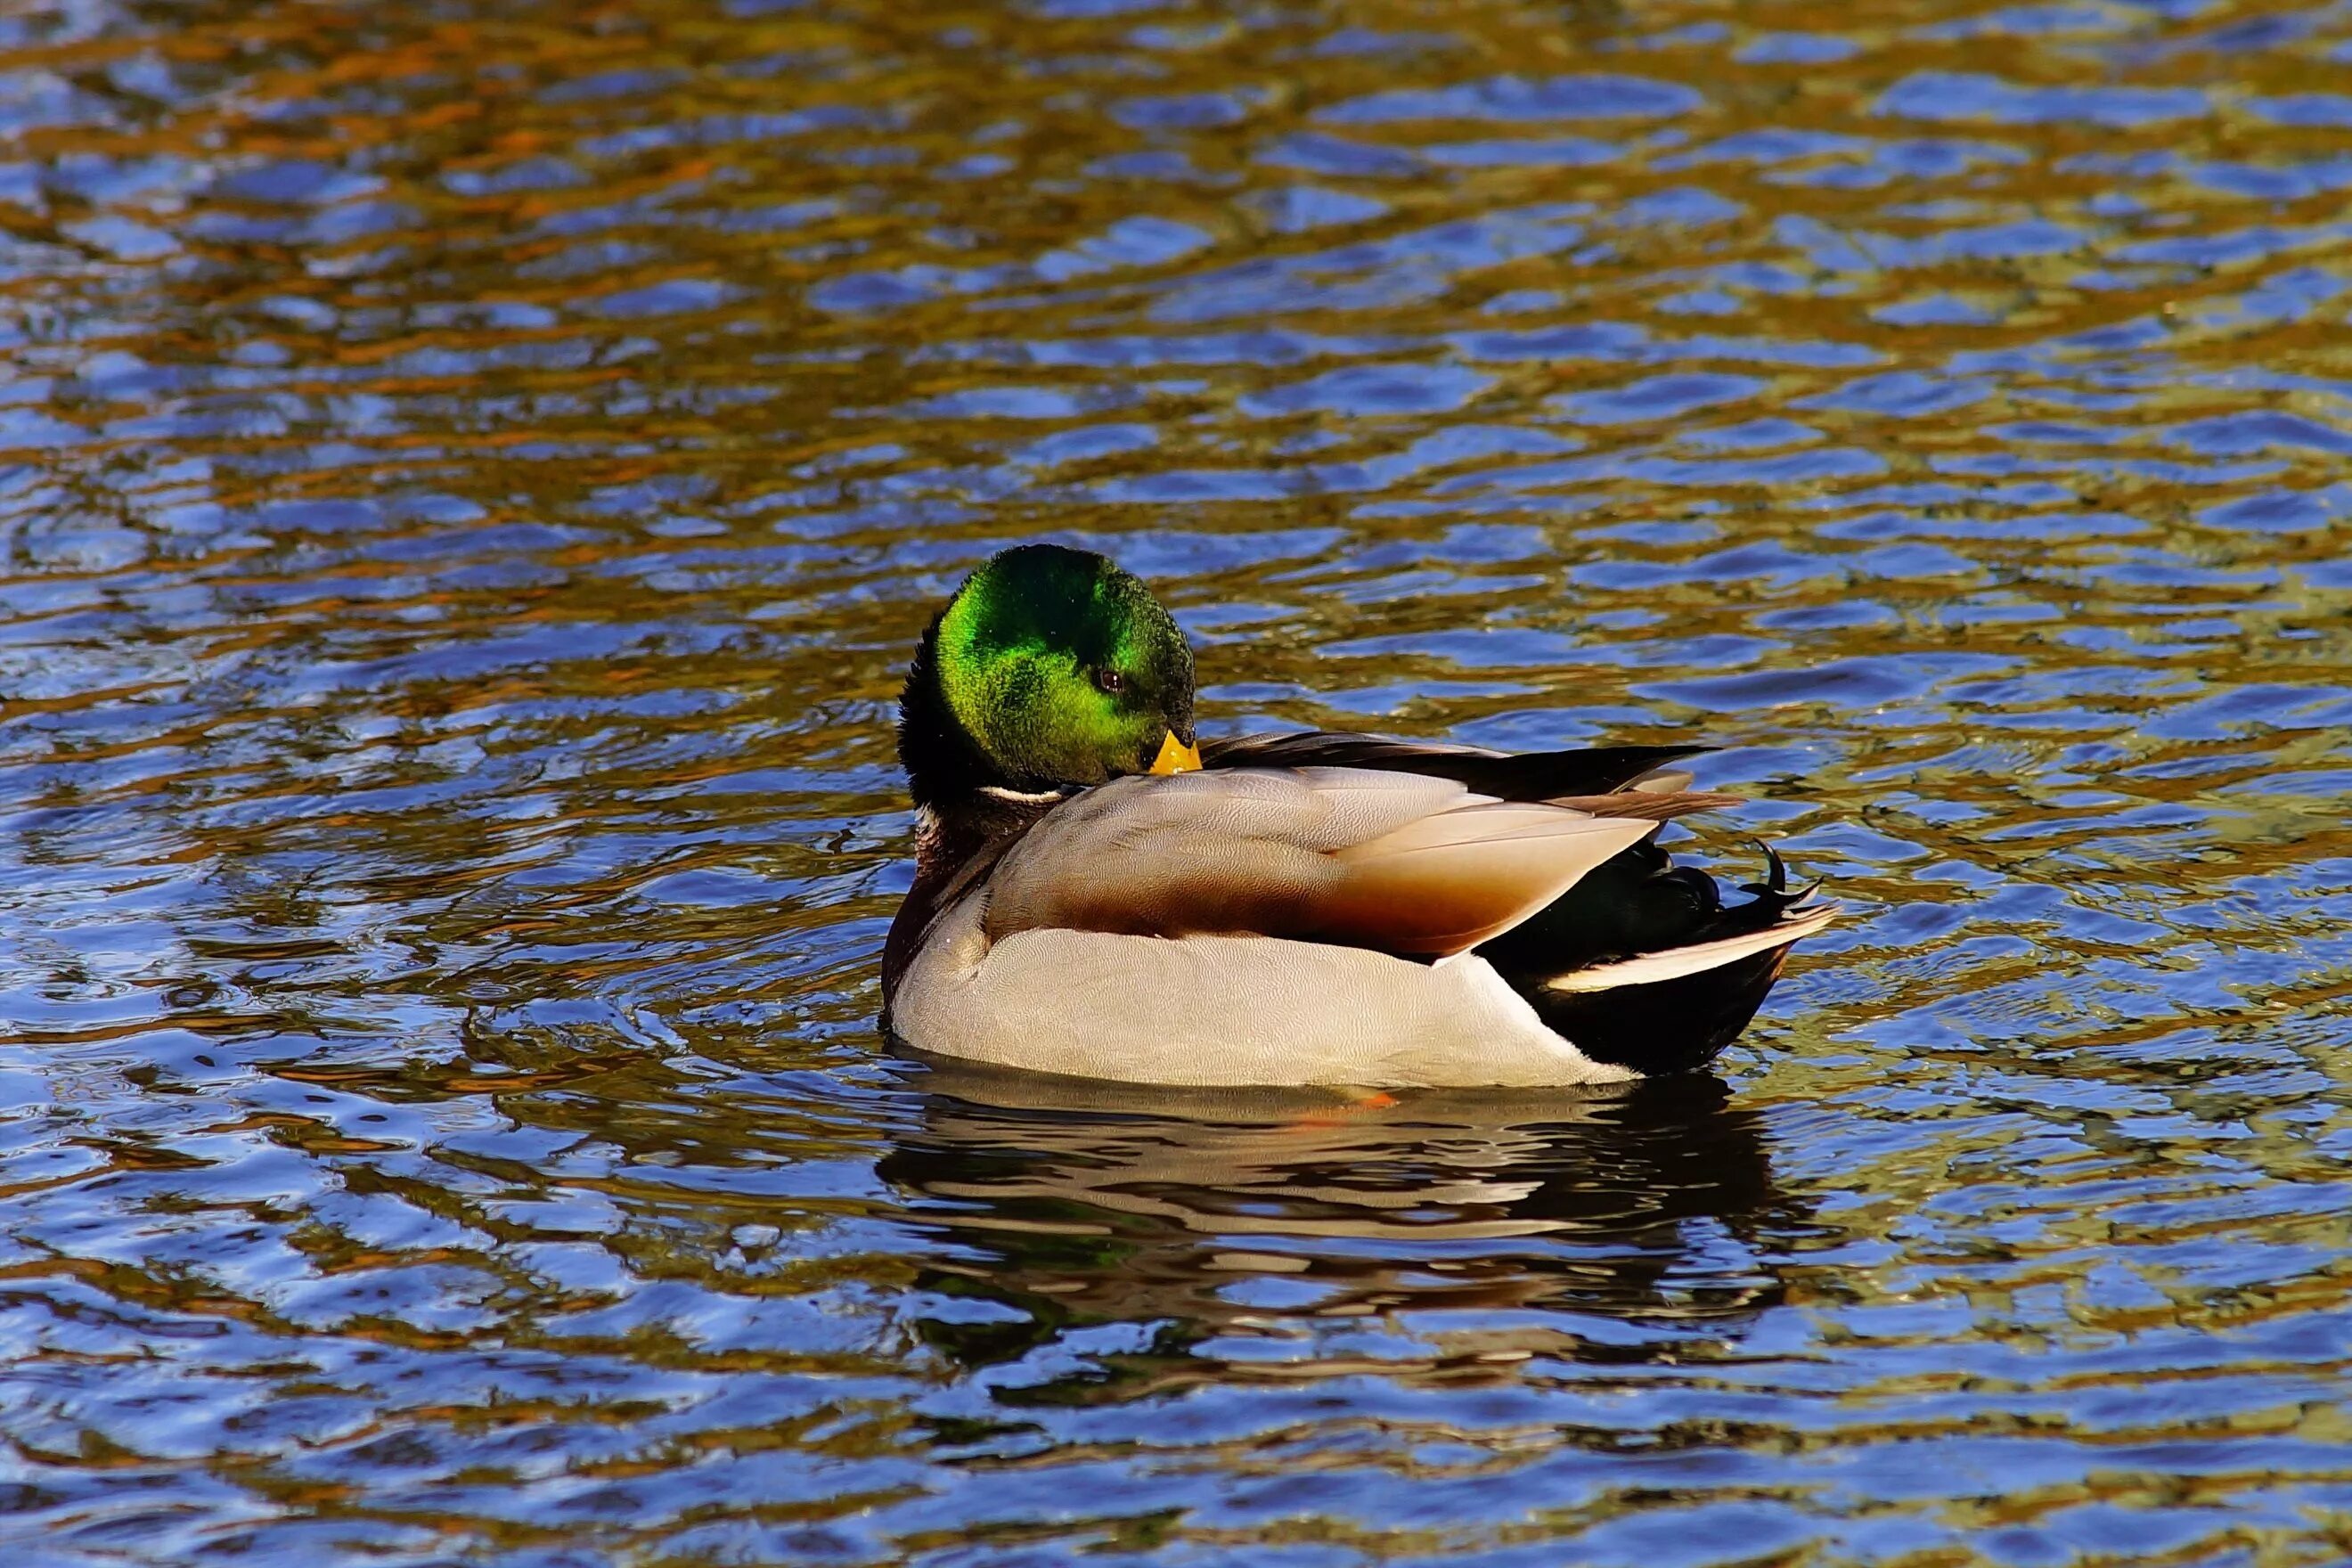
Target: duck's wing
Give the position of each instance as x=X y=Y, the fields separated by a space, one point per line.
x=1523 y=776
x=1404 y=863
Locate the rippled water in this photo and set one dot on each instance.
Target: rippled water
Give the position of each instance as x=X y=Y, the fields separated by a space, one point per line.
x=471 y=476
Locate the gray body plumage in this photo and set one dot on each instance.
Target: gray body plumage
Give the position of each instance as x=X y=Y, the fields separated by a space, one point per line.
x=1273 y=926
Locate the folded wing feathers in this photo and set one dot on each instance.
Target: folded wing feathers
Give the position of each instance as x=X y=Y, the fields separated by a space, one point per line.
x=1657 y=805
x=1527 y=775
x=1401 y=862
x=1661 y=781
x=1475 y=821
x=1446 y=883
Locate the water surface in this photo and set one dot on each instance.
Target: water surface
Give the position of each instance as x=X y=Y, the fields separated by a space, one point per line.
x=471 y=476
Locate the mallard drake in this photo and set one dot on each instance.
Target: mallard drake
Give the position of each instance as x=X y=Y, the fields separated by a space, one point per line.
x=1099 y=893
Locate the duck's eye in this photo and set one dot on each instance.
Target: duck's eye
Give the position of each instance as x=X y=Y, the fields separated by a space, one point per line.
x=1109 y=680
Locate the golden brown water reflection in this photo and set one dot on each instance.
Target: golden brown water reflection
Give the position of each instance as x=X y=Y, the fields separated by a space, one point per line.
x=471 y=476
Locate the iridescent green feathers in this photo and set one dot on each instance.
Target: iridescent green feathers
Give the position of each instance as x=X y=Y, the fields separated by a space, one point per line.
x=1050 y=666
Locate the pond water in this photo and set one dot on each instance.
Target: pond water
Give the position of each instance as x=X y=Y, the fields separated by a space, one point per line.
x=471 y=476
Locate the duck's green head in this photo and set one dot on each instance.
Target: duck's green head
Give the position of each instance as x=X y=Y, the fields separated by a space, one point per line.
x=1049 y=666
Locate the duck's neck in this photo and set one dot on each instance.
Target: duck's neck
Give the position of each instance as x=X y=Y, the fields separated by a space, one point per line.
x=944 y=770
x=968 y=810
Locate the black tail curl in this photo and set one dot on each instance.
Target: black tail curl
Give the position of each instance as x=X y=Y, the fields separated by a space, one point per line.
x=1639 y=902
x=1775 y=884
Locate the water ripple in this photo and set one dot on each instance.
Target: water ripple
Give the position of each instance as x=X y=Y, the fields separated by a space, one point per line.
x=470 y=478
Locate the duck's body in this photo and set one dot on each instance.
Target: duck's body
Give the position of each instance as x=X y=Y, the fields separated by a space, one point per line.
x=1095 y=897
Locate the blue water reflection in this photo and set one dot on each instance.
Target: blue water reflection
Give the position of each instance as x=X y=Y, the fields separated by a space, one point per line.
x=470 y=478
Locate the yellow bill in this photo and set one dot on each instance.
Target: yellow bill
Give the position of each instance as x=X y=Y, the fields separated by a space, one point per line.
x=1175 y=756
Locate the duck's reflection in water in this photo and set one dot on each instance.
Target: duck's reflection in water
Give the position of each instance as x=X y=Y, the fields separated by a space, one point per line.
x=1457 y=1229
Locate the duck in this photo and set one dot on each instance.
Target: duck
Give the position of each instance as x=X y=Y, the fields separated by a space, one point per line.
x=1099 y=892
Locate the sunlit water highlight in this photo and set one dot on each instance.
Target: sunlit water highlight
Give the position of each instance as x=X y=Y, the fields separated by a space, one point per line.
x=471 y=476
